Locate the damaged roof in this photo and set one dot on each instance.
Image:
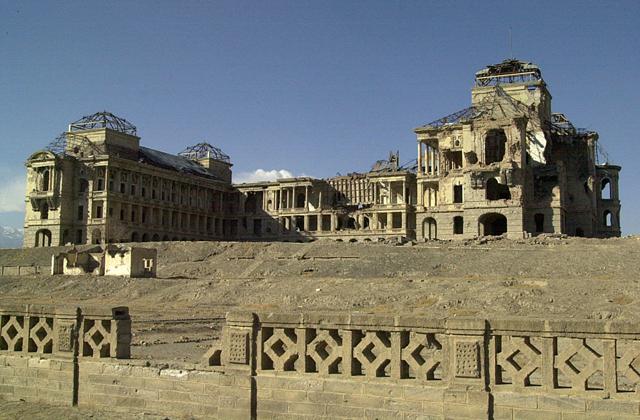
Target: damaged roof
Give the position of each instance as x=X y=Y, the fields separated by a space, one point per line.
x=173 y=162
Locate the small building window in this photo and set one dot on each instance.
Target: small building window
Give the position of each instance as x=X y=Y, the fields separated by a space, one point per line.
x=605 y=187
x=81 y=212
x=494 y=146
x=44 y=211
x=457 y=193
x=99 y=212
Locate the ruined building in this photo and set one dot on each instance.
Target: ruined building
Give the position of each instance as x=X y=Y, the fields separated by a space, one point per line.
x=505 y=165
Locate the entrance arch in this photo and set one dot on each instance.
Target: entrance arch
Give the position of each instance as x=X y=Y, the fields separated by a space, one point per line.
x=430 y=228
x=493 y=224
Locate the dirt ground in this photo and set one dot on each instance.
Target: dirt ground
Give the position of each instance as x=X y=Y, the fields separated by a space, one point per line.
x=178 y=315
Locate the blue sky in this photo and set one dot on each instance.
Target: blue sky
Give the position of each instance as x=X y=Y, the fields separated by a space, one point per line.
x=311 y=88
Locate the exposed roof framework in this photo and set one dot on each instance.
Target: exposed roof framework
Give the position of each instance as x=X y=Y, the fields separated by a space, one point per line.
x=509 y=71
x=72 y=144
x=203 y=151
x=103 y=119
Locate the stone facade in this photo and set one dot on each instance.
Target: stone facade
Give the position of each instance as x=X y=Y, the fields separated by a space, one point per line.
x=505 y=165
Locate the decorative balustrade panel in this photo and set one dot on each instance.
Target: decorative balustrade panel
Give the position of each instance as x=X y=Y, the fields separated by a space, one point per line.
x=367 y=353
x=38 y=330
x=578 y=364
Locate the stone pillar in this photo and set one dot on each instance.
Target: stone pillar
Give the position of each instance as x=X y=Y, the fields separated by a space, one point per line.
x=306 y=223
x=419 y=158
x=374 y=221
x=389 y=221
x=333 y=222
x=306 y=200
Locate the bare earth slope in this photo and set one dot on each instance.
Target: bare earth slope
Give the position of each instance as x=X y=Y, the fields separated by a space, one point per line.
x=178 y=314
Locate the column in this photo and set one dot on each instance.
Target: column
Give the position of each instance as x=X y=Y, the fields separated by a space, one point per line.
x=333 y=222
x=419 y=158
x=306 y=199
x=306 y=223
x=389 y=221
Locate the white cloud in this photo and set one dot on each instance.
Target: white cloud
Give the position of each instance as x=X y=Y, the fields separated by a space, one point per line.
x=260 y=175
x=12 y=193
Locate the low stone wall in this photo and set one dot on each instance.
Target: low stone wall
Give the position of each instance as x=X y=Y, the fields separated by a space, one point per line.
x=23 y=270
x=358 y=366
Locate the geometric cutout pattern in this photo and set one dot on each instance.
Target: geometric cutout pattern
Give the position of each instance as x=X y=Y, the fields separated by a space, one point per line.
x=423 y=355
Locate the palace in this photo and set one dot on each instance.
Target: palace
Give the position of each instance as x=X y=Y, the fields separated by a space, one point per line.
x=505 y=165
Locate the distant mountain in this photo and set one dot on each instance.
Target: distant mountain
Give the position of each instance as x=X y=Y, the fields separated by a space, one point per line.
x=10 y=237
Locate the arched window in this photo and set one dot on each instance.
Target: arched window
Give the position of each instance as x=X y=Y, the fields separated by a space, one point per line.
x=494 y=146
x=458 y=225
x=497 y=191
x=134 y=237
x=606 y=189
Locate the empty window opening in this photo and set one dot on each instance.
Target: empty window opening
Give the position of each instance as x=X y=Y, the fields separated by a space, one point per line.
x=99 y=212
x=382 y=220
x=493 y=224
x=313 y=224
x=300 y=200
x=539 y=219
x=351 y=223
x=79 y=236
x=497 y=191
x=494 y=146
x=84 y=185
x=458 y=225
x=430 y=228
x=396 y=221
x=100 y=184
x=96 y=236
x=45 y=181
x=80 y=212
x=607 y=218
x=44 y=211
x=326 y=222
x=606 y=189
x=122 y=187
x=453 y=160
x=457 y=193
x=366 y=223
x=299 y=221
x=145 y=237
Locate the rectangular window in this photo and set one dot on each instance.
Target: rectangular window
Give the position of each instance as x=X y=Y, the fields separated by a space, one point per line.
x=122 y=188
x=457 y=193
x=110 y=211
x=100 y=186
x=133 y=190
x=80 y=212
x=143 y=192
x=121 y=214
x=99 y=212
